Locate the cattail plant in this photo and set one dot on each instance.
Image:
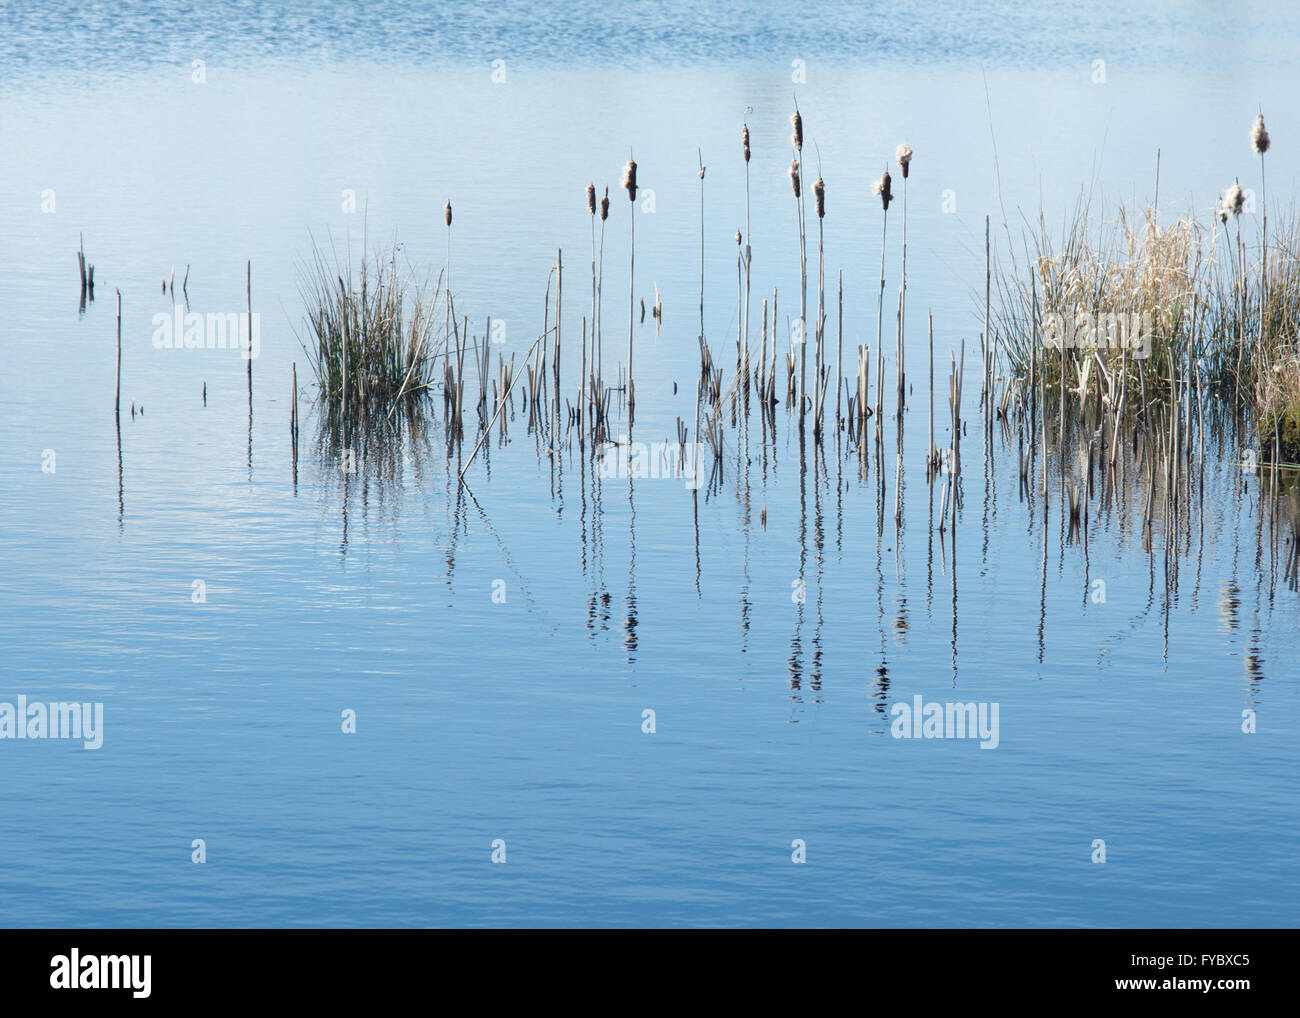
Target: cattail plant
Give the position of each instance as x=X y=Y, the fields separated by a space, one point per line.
x=700 y=154
x=903 y=155
x=740 y=321
x=1234 y=203
x=446 y=214
x=629 y=182
x=819 y=204
x=1259 y=141
x=883 y=189
x=591 y=213
x=600 y=302
x=796 y=177
x=744 y=146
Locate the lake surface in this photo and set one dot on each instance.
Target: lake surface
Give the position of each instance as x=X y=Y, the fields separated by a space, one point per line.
x=520 y=717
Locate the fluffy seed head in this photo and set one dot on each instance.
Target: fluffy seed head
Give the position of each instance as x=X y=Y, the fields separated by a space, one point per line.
x=737 y=238
x=591 y=198
x=883 y=188
x=796 y=122
x=446 y=212
x=604 y=206
x=1234 y=199
x=744 y=141
x=1259 y=136
x=904 y=156
x=819 y=194
x=629 y=179
x=794 y=176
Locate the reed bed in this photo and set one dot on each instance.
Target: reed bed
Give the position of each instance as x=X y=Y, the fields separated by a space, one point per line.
x=370 y=334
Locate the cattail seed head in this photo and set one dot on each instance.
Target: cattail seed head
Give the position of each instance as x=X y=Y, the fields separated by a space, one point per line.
x=1259 y=136
x=591 y=198
x=744 y=141
x=883 y=188
x=1234 y=199
x=446 y=212
x=794 y=176
x=737 y=238
x=904 y=156
x=796 y=122
x=629 y=179
x=604 y=206
x=819 y=195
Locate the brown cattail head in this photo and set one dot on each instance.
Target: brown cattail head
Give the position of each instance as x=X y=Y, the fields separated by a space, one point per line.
x=882 y=187
x=702 y=169
x=591 y=198
x=796 y=122
x=446 y=211
x=1234 y=199
x=819 y=195
x=629 y=179
x=904 y=156
x=1259 y=136
x=737 y=238
x=794 y=177
x=604 y=206
x=744 y=141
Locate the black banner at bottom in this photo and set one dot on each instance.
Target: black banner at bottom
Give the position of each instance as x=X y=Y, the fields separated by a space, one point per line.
x=171 y=967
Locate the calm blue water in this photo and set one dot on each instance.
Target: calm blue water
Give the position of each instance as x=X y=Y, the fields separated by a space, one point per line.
x=477 y=720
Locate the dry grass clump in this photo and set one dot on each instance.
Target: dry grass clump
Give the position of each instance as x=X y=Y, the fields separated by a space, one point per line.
x=1111 y=286
x=369 y=329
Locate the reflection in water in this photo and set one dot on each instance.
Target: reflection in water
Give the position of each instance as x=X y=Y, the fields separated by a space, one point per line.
x=1078 y=483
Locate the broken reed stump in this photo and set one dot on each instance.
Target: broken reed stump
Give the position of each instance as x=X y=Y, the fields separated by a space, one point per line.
x=87 y=272
x=248 y=294
x=117 y=401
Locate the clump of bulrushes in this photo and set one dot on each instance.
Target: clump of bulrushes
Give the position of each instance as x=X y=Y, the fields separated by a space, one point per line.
x=368 y=330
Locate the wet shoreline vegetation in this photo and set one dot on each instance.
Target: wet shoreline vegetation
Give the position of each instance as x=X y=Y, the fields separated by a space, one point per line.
x=1122 y=349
